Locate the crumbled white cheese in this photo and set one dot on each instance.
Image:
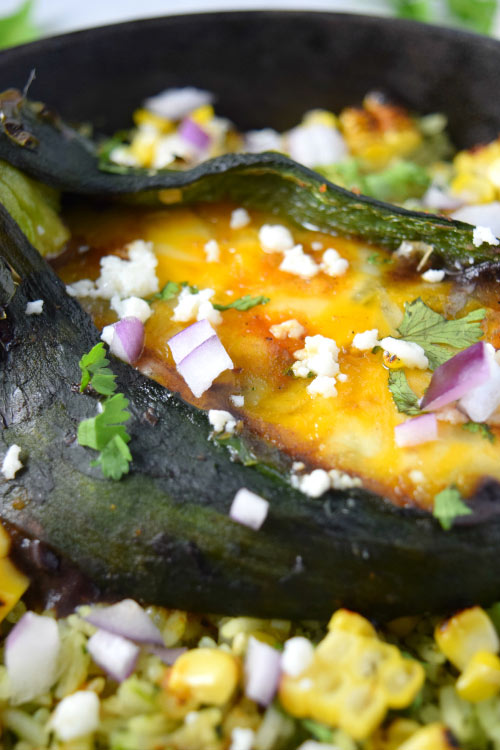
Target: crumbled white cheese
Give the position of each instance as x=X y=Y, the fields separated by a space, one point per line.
x=291 y=329
x=135 y=277
x=275 y=238
x=266 y=139
x=239 y=218
x=296 y=261
x=11 y=463
x=313 y=745
x=314 y=484
x=316 y=144
x=249 y=509
x=123 y=156
x=452 y=415
x=131 y=307
x=196 y=306
x=298 y=466
x=176 y=103
x=416 y=476
x=212 y=251
x=297 y=655
x=319 y=356
x=76 y=715
x=322 y=385
x=83 y=288
x=333 y=264
x=316 y=246
x=221 y=421
x=433 y=275
x=242 y=738
x=340 y=480
x=410 y=354
x=483 y=234
x=342 y=377
x=237 y=400
x=366 y=341
x=35 y=307
x=405 y=250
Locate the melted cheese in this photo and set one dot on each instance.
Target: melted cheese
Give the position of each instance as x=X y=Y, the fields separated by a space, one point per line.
x=352 y=431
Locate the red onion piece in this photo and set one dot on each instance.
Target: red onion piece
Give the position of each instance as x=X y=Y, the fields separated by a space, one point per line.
x=184 y=342
x=127 y=619
x=480 y=403
x=168 y=655
x=193 y=134
x=117 y=656
x=456 y=377
x=200 y=368
x=249 y=509
x=31 y=653
x=125 y=339
x=415 y=431
x=262 y=672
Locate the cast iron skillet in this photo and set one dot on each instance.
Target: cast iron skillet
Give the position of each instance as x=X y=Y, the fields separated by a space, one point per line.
x=266 y=68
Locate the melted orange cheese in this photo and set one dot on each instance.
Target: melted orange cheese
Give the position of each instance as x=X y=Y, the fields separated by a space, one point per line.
x=353 y=431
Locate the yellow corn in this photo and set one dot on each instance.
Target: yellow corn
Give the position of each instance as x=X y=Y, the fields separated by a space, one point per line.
x=203 y=114
x=393 y=736
x=4 y=542
x=481 y=678
x=464 y=634
x=344 y=619
x=432 y=737
x=477 y=173
x=353 y=679
x=144 y=117
x=320 y=117
x=13 y=584
x=204 y=675
x=143 y=146
x=473 y=188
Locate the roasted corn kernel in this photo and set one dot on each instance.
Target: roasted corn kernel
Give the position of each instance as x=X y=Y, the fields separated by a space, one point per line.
x=480 y=679
x=4 y=542
x=204 y=675
x=432 y=737
x=143 y=117
x=13 y=584
x=464 y=634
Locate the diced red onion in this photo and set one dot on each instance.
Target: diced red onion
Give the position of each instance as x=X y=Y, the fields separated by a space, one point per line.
x=125 y=339
x=480 y=402
x=194 y=134
x=168 y=655
x=174 y=104
x=184 y=342
x=249 y=509
x=415 y=431
x=456 y=377
x=200 y=368
x=262 y=672
x=31 y=654
x=117 y=656
x=127 y=619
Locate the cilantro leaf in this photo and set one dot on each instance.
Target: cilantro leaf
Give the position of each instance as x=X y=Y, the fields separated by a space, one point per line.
x=405 y=399
x=435 y=334
x=114 y=458
x=238 y=450
x=448 y=505
x=319 y=731
x=95 y=370
x=244 y=303
x=98 y=431
x=169 y=291
x=482 y=429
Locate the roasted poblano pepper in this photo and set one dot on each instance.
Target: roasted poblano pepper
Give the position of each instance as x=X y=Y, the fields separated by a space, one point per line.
x=162 y=534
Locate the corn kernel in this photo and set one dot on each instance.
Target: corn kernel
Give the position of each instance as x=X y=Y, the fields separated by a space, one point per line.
x=432 y=737
x=143 y=146
x=320 y=117
x=361 y=711
x=473 y=188
x=145 y=117
x=481 y=678
x=13 y=584
x=206 y=675
x=4 y=542
x=401 y=679
x=203 y=114
x=464 y=634
x=351 y=622
x=393 y=736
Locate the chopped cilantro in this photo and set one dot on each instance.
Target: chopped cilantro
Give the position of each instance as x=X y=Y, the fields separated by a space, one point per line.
x=436 y=335
x=96 y=372
x=244 y=303
x=114 y=458
x=319 y=731
x=376 y=259
x=171 y=290
x=405 y=399
x=97 y=431
x=449 y=505
x=482 y=429
x=237 y=449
